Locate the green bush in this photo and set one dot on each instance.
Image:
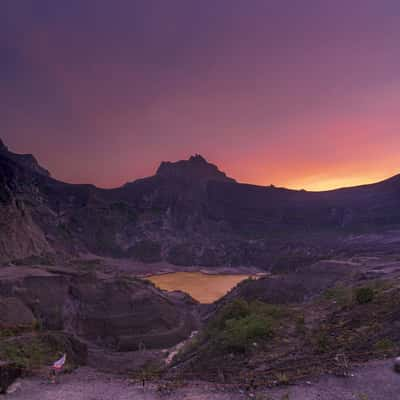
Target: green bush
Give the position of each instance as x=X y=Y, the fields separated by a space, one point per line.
x=28 y=355
x=364 y=295
x=239 y=323
x=239 y=333
x=238 y=308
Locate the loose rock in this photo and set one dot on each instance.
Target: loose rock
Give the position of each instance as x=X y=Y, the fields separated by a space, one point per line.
x=397 y=365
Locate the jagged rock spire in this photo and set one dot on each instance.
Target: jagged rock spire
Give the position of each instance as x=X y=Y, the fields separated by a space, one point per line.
x=196 y=168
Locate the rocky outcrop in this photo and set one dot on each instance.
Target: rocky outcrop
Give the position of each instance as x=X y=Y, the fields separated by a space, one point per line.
x=195 y=169
x=124 y=314
x=397 y=365
x=188 y=213
x=295 y=287
x=25 y=160
x=20 y=203
x=118 y=313
x=9 y=372
x=13 y=312
x=20 y=235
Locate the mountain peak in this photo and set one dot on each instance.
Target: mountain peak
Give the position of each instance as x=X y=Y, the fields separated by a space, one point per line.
x=3 y=147
x=25 y=160
x=198 y=158
x=195 y=168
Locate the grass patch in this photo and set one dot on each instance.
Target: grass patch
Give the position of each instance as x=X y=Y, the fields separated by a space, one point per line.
x=239 y=323
x=347 y=296
x=342 y=295
x=322 y=342
x=282 y=378
x=35 y=351
x=28 y=355
x=384 y=345
x=238 y=333
x=151 y=371
x=235 y=328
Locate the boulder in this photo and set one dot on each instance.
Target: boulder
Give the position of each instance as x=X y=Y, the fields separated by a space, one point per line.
x=8 y=374
x=397 y=365
x=14 y=313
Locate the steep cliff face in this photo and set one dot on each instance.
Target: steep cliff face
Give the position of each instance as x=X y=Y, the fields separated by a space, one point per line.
x=20 y=198
x=25 y=160
x=121 y=313
x=188 y=213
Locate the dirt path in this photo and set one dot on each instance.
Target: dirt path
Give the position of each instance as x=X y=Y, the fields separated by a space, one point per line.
x=375 y=381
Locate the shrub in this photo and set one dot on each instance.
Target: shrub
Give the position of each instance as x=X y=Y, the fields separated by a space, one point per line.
x=37 y=325
x=384 y=345
x=342 y=295
x=238 y=308
x=27 y=355
x=239 y=333
x=364 y=295
x=282 y=378
x=321 y=342
x=239 y=323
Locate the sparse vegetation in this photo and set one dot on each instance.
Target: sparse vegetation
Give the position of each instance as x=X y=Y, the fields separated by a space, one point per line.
x=364 y=295
x=321 y=342
x=384 y=345
x=238 y=333
x=149 y=372
x=33 y=351
x=342 y=295
x=239 y=324
x=300 y=325
x=282 y=378
x=27 y=354
x=10 y=331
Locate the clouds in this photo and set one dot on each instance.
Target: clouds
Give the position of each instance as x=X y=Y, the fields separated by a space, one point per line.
x=144 y=81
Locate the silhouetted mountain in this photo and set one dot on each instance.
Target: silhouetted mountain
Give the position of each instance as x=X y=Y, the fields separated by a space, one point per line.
x=188 y=213
x=194 y=169
x=25 y=160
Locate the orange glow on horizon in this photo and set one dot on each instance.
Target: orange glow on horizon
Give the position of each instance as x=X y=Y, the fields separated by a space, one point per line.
x=335 y=183
x=324 y=181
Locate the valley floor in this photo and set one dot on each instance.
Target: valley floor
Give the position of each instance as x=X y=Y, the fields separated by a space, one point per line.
x=373 y=381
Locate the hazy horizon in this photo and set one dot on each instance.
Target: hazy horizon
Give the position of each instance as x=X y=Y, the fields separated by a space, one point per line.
x=356 y=182
x=280 y=92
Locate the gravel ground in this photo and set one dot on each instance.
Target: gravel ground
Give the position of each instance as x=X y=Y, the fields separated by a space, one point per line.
x=374 y=381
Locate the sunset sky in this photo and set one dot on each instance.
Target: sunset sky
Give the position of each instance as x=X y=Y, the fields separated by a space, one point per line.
x=298 y=93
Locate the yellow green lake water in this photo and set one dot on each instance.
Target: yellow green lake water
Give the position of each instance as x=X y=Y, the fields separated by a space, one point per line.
x=205 y=288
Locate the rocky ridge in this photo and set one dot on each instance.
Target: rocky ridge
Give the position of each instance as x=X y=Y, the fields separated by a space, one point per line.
x=188 y=213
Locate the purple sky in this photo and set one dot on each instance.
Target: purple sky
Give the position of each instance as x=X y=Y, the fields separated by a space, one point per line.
x=291 y=92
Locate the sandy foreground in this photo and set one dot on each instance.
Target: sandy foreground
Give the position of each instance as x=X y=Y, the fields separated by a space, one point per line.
x=374 y=381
